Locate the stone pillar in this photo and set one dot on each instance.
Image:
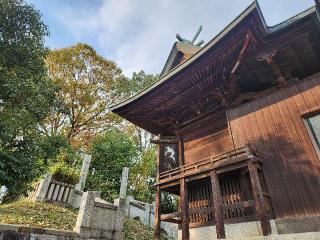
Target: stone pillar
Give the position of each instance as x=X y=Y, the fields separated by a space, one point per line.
x=84 y=172
x=83 y=225
x=43 y=188
x=124 y=183
x=122 y=205
x=147 y=215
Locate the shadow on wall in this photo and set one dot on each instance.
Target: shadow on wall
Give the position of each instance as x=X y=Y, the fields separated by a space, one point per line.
x=291 y=175
x=274 y=126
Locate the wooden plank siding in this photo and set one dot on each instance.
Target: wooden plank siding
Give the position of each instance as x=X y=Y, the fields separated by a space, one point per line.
x=274 y=126
x=207 y=146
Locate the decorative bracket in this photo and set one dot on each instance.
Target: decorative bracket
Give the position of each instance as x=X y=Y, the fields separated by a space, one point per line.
x=269 y=58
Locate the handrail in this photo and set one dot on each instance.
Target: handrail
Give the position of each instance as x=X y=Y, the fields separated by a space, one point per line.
x=205 y=161
x=215 y=161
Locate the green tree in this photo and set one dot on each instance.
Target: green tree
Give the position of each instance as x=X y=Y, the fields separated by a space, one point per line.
x=87 y=84
x=138 y=82
x=142 y=176
x=111 y=152
x=26 y=93
x=141 y=80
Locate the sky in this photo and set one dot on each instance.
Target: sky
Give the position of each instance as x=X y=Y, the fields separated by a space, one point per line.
x=139 y=34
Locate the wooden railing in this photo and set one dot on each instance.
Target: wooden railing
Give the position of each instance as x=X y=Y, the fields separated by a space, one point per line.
x=207 y=164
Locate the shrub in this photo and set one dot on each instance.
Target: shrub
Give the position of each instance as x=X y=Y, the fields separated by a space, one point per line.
x=65 y=173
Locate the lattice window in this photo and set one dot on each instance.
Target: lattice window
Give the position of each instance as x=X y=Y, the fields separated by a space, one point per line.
x=231 y=193
x=169 y=157
x=200 y=197
x=232 y=189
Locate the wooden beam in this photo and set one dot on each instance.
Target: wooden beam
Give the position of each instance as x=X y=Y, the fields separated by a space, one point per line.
x=318 y=8
x=268 y=57
x=158 y=160
x=157 y=214
x=244 y=204
x=184 y=209
x=172 y=220
x=217 y=205
x=171 y=215
x=181 y=151
x=259 y=199
x=164 y=141
x=233 y=77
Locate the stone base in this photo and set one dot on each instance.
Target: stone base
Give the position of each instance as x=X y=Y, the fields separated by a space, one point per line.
x=237 y=230
x=293 y=236
x=18 y=232
x=298 y=225
x=281 y=229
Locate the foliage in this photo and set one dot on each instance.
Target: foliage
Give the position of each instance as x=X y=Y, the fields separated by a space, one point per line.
x=26 y=93
x=142 y=176
x=169 y=203
x=87 y=84
x=140 y=80
x=49 y=147
x=47 y=215
x=135 y=230
x=111 y=152
x=65 y=173
x=43 y=215
x=17 y=170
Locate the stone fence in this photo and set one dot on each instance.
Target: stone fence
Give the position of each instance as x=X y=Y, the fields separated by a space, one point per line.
x=144 y=212
x=98 y=219
x=68 y=195
x=49 y=190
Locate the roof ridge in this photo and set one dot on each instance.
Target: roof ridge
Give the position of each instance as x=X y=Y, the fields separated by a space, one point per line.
x=253 y=6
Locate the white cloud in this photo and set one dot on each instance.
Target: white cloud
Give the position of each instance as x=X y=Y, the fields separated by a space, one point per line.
x=138 y=34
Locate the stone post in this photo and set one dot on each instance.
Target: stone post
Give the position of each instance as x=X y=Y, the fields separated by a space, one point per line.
x=43 y=188
x=122 y=205
x=124 y=183
x=83 y=225
x=84 y=172
x=147 y=214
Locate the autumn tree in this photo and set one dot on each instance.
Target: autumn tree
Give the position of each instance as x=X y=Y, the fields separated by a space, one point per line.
x=26 y=93
x=87 y=84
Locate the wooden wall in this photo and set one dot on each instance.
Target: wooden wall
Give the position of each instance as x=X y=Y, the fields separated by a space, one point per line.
x=274 y=126
x=209 y=137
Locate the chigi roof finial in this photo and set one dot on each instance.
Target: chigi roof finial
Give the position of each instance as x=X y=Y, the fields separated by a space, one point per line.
x=193 y=39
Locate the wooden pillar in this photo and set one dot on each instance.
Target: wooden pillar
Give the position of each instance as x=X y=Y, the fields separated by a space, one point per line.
x=259 y=200
x=181 y=151
x=184 y=209
x=157 y=214
x=217 y=205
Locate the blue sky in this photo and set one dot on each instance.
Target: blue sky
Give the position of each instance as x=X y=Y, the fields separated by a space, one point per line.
x=138 y=34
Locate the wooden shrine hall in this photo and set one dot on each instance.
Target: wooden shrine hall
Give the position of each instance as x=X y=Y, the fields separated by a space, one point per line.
x=237 y=125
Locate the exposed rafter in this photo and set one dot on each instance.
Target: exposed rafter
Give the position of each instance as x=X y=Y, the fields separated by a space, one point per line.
x=269 y=58
x=233 y=76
